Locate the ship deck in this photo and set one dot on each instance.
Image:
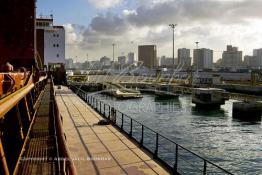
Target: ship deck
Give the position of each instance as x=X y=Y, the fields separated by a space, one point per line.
x=97 y=149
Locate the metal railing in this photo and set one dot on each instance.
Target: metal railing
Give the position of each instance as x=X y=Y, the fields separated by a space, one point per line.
x=17 y=112
x=65 y=165
x=175 y=157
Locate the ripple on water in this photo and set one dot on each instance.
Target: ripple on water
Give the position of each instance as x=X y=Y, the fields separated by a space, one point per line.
x=231 y=143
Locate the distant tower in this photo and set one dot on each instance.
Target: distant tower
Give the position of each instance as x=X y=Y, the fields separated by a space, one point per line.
x=197 y=44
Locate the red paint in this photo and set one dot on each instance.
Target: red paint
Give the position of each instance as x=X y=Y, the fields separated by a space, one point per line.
x=17 y=33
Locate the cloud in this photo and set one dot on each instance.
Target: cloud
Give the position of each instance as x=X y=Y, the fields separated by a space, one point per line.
x=128 y=12
x=108 y=24
x=104 y=4
x=72 y=35
x=195 y=11
x=214 y=23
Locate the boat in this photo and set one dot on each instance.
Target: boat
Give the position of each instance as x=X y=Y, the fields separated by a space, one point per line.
x=209 y=97
x=127 y=94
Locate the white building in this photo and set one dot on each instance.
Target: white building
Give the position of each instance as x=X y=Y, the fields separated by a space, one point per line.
x=232 y=57
x=131 y=58
x=203 y=58
x=50 y=42
x=257 y=53
x=184 y=58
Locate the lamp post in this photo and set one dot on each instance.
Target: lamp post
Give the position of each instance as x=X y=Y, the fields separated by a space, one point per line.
x=173 y=26
x=113 y=55
x=197 y=44
x=197 y=55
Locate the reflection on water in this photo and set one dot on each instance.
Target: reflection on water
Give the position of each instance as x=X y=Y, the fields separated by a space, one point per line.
x=208 y=112
x=231 y=143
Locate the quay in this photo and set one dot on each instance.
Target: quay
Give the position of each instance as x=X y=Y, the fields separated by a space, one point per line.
x=99 y=149
x=50 y=129
x=43 y=123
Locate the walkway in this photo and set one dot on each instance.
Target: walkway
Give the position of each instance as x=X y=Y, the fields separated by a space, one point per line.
x=99 y=149
x=40 y=152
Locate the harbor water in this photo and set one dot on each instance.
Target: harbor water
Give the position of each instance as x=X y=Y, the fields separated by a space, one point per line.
x=215 y=135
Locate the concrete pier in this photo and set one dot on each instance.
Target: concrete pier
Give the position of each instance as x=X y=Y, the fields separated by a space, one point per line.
x=97 y=149
x=247 y=110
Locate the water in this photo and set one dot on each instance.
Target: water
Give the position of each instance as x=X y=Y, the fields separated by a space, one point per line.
x=233 y=144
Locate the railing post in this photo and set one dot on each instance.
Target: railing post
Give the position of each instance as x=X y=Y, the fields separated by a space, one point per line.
x=142 y=136
x=156 y=150
x=100 y=106
x=109 y=112
x=104 y=109
x=131 y=128
x=176 y=160
x=113 y=116
x=122 y=122
x=205 y=168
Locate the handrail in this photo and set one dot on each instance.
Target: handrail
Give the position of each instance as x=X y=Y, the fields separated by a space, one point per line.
x=7 y=103
x=94 y=103
x=69 y=167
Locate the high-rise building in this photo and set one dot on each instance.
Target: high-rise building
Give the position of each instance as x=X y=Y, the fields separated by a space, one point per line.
x=131 y=58
x=147 y=55
x=105 y=61
x=232 y=57
x=203 y=58
x=250 y=61
x=257 y=53
x=167 y=62
x=69 y=63
x=122 y=60
x=184 y=58
x=50 y=41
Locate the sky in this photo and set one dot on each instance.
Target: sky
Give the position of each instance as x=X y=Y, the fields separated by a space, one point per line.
x=93 y=25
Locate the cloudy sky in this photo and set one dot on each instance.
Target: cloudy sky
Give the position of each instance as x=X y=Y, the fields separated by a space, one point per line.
x=93 y=25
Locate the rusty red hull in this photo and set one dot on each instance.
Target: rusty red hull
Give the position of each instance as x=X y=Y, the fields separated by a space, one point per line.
x=17 y=33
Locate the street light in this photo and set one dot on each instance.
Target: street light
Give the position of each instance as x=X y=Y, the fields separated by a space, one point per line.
x=197 y=42
x=113 y=55
x=173 y=28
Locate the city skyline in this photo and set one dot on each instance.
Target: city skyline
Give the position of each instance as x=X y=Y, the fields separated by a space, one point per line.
x=95 y=26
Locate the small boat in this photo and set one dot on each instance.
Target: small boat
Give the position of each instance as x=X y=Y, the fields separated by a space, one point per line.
x=127 y=94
